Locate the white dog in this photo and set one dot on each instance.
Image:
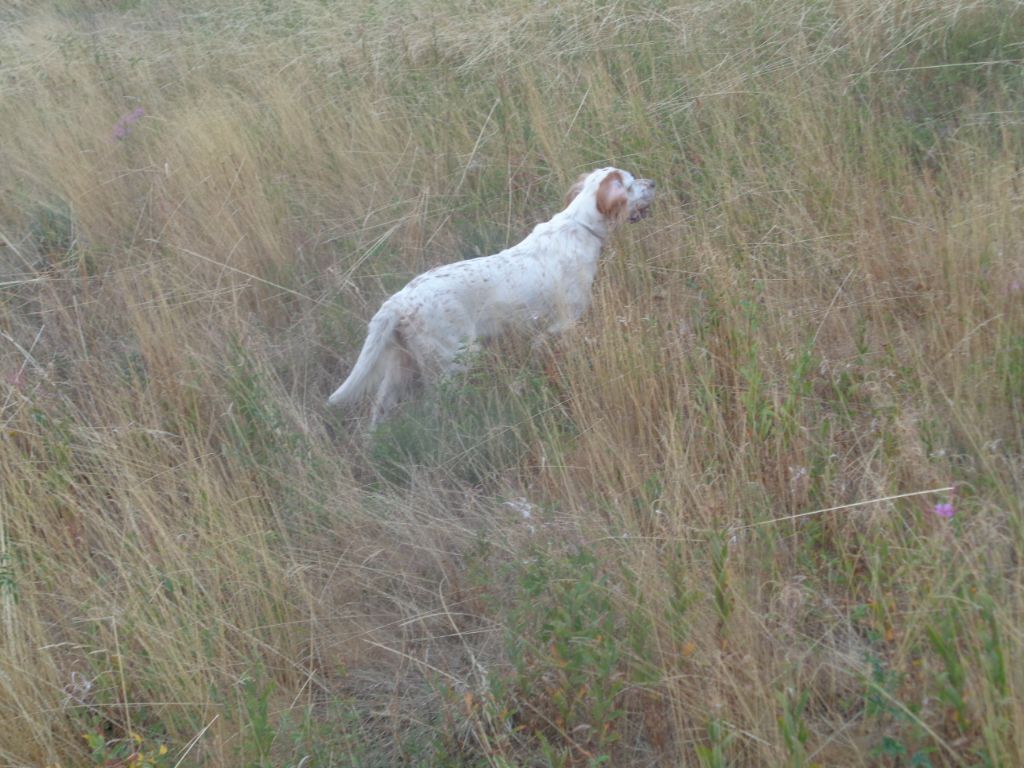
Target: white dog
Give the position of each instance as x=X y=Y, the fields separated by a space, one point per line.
x=541 y=286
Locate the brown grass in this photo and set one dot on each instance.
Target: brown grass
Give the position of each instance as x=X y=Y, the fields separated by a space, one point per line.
x=593 y=554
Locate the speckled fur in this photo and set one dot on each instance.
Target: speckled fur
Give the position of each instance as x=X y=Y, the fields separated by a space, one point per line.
x=541 y=286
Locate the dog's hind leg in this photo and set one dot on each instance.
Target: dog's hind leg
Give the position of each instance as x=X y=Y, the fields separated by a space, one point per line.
x=388 y=394
x=400 y=372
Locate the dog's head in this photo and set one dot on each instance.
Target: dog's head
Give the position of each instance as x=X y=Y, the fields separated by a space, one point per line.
x=612 y=196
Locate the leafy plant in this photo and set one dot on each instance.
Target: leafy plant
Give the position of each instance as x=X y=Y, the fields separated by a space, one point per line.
x=567 y=647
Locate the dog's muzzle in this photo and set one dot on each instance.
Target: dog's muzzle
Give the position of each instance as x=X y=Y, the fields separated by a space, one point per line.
x=643 y=208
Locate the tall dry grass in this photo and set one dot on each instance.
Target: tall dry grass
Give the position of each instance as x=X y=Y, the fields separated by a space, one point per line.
x=600 y=554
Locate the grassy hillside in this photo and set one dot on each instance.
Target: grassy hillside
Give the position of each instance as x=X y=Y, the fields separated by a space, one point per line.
x=702 y=530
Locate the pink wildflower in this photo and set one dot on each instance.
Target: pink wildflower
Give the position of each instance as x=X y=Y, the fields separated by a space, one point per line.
x=125 y=122
x=945 y=510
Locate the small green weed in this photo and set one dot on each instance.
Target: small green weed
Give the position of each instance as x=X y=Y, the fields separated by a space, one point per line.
x=52 y=229
x=905 y=740
x=793 y=726
x=713 y=755
x=719 y=546
x=259 y=733
x=567 y=647
x=131 y=752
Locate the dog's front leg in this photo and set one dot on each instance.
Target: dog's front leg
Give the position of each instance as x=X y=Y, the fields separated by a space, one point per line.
x=560 y=325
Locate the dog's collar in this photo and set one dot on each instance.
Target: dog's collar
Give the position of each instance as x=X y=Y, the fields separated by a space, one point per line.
x=591 y=231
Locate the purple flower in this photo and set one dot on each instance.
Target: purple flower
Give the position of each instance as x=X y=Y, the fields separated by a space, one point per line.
x=125 y=122
x=945 y=510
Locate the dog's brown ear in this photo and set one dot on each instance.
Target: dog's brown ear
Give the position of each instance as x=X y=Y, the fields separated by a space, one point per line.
x=575 y=189
x=611 y=197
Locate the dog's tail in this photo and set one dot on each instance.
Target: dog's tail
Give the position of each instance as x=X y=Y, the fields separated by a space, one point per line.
x=371 y=364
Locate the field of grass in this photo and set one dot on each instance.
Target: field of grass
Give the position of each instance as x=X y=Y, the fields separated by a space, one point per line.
x=703 y=529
